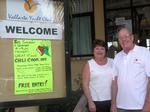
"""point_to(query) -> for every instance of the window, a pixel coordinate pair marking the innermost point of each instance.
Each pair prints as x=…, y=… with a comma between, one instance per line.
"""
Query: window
x=82, y=27
x=132, y=13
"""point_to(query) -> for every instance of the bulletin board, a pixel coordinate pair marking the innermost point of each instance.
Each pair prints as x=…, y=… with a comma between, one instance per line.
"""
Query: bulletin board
x=30, y=68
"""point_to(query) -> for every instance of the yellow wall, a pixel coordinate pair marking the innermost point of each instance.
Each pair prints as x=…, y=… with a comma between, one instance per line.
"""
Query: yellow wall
x=76, y=69
x=77, y=63
x=99, y=19
x=27, y=109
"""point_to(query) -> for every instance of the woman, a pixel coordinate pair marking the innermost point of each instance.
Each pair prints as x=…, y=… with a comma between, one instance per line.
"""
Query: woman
x=97, y=78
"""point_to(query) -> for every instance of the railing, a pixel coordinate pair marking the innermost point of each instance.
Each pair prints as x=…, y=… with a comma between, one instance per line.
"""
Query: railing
x=81, y=105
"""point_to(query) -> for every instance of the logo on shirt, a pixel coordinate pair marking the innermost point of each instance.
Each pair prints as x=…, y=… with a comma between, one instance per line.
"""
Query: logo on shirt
x=137, y=61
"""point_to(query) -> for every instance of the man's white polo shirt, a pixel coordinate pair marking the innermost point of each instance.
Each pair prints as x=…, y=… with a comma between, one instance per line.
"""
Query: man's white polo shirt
x=132, y=70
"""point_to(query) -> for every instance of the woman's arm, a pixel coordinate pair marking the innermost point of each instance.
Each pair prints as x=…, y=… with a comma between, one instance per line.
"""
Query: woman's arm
x=86, y=90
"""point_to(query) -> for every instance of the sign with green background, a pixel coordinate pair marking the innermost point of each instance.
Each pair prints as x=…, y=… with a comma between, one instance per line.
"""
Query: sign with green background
x=32, y=66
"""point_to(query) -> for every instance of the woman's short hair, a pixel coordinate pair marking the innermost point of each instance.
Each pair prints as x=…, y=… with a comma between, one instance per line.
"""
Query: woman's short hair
x=98, y=42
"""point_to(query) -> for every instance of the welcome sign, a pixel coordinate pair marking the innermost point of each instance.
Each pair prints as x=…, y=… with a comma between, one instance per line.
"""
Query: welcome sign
x=31, y=19
x=30, y=30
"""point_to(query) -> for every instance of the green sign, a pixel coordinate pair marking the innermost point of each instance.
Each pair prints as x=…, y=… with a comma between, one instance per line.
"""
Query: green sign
x=32, y=66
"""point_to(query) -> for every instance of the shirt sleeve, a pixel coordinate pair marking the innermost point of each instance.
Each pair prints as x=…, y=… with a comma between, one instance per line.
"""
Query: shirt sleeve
x=147, y=63
x=115, y=68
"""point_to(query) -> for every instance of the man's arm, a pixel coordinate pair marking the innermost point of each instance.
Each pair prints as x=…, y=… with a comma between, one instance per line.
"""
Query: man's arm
x=114, y=90
x=146, y=107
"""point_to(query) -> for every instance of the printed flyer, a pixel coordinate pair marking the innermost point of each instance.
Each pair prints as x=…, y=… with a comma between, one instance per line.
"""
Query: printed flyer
x=32, y=66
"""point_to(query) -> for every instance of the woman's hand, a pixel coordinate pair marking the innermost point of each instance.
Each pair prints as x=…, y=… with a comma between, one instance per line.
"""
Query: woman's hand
x=92, y=107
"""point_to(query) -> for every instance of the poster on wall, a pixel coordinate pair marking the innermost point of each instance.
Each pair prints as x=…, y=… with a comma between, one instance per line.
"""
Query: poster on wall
x=32, y=66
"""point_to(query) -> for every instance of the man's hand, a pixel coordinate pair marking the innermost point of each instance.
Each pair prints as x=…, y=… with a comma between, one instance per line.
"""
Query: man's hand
x=113, y=108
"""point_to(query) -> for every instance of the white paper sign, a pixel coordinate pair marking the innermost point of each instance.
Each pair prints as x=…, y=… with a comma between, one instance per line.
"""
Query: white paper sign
x=30, y=30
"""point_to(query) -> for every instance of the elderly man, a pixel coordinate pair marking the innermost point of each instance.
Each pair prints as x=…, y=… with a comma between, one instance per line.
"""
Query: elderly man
x=131, y=70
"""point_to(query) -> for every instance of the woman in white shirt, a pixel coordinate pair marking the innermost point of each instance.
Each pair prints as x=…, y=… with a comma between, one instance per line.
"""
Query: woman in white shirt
x=97, y=78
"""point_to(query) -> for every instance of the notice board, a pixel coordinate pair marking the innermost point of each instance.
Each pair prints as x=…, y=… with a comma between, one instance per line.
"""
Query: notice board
x=30, y=68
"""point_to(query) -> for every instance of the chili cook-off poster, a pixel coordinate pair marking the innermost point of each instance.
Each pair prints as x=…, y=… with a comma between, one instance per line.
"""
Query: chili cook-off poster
x=32, y=66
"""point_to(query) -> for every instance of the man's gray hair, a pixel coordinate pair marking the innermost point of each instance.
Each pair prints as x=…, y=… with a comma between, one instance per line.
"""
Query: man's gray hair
x=123, y=27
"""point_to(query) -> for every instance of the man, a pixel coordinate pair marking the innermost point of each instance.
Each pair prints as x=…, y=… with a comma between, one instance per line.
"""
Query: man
x=131, y=82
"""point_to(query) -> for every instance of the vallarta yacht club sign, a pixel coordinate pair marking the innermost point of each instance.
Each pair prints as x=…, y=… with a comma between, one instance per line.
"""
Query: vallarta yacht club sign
x=31, y=19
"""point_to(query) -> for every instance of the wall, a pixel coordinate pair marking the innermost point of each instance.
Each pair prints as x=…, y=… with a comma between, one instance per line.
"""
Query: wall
x=27, y=109
x=77, y=63
x=99, y=19
x=76, y=69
